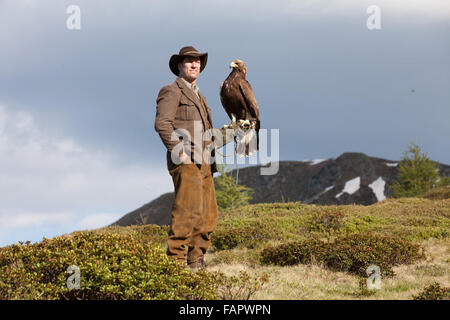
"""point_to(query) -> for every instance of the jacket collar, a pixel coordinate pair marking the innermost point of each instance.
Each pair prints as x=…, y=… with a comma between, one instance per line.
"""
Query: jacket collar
x=188, y=91
x=193, y=97
x=193, y=87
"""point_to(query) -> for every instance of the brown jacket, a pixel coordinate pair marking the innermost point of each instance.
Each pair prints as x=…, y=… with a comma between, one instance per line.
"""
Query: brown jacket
x=178, y=107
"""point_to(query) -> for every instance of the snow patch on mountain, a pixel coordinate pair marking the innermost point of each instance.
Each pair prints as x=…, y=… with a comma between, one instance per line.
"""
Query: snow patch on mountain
x=378, y=188
x=351, y=186
x=394, y=164
x=315, y=161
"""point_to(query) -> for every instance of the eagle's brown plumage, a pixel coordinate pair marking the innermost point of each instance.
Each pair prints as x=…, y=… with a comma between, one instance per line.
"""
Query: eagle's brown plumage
x=239, y=102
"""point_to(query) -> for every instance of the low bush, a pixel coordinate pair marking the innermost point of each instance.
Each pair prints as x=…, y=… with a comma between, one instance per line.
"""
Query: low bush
x=352, y=253
x=433, y=292
x=439, y=192
x=329, y=219
x=229, y=238
x=111, y=266
x=154, y=233
x=143, y=233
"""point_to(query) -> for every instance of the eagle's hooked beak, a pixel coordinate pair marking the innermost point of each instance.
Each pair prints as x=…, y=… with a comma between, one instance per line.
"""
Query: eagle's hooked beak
x=233, y=65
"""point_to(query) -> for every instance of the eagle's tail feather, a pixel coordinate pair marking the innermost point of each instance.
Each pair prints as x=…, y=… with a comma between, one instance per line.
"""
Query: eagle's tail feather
x=247, y=142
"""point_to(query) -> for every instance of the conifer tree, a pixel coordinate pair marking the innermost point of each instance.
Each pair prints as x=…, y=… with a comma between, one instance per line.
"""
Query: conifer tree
x=228, y=193
x=417, y=174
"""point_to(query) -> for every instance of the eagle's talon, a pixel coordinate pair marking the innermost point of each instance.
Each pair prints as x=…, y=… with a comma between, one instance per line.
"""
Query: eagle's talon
x=244, y=124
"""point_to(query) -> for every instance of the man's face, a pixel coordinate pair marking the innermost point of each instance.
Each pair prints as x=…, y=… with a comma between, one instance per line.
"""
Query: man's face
x=189, y=68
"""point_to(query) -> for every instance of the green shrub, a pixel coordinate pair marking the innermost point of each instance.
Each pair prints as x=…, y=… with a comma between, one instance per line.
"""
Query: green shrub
x=304, y=251
x=111, y=266
x=433, y=292
x=143, y=233
x=229, y=194
x=152, y=233
x=229, y=238
x=329, y=219
x=443, y=181
x=438, y=193
x=352, y=253
x=417, y=174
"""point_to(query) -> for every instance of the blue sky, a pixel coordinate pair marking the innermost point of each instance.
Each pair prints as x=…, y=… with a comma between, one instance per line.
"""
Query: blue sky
x=77, y=142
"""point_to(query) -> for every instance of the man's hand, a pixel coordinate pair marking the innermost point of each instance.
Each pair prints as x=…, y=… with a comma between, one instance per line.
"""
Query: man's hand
x=232, y=125
x=229, y=131
x=244, y=124
x=240, y=124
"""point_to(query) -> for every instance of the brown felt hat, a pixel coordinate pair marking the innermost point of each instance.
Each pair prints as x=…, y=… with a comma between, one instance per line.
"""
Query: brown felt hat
x=187, y=52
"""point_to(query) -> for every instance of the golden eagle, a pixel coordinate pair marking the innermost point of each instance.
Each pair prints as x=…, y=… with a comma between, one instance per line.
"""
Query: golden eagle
x=239, y=102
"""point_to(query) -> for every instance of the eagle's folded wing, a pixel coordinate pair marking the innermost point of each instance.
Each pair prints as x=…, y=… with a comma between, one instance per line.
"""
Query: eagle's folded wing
x=249, y=97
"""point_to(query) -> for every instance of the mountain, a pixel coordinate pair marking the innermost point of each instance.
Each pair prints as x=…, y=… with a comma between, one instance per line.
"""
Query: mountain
x=351, y=178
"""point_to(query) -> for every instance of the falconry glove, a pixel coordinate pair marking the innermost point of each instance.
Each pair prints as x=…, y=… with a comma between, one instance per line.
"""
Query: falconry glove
x=227, y=135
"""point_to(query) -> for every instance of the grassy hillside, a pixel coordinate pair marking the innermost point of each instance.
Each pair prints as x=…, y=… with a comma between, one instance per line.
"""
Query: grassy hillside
x=422, y=221
x=307, y=251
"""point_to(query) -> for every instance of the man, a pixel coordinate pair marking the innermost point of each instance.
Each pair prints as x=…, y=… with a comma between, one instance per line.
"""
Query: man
x=182, y=112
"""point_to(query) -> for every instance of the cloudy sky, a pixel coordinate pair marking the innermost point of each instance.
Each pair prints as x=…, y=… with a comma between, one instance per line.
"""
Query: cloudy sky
x=77, y=107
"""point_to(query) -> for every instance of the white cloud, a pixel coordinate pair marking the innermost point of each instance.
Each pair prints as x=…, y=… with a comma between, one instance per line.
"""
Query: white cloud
x=20, y=220
x=55, y=181
x=97, y=220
